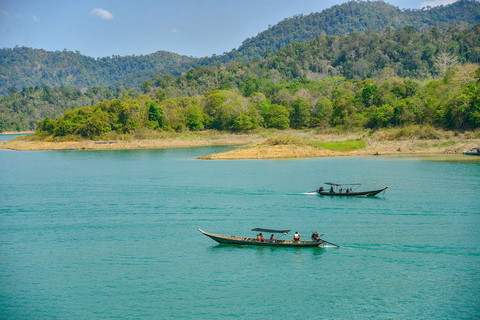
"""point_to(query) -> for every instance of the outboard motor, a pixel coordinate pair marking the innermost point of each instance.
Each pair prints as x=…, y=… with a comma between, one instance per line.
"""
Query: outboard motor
x=315, y=237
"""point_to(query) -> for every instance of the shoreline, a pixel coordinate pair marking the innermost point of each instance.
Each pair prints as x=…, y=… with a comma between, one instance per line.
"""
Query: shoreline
x=16, y=132
x=176, y=142
x=257, y=146
x=296, y=152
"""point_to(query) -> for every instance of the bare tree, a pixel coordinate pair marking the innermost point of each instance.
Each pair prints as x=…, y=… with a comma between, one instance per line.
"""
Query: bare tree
x=444, y=60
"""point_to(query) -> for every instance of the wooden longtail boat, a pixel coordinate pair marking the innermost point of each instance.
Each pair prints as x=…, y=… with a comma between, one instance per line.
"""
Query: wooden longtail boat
x=472, y=152
x=343, y=190
x=245, y=241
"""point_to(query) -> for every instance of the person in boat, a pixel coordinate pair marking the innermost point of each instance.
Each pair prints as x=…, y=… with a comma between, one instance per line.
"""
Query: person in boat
x=331, y=189
x=272, y=238
x=321, y=189
x=340, y=190
x=260, y=237
x=296, y=236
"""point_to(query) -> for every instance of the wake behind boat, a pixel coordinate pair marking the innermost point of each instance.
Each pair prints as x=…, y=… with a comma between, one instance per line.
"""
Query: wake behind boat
x=259, y=241
x=347, y=190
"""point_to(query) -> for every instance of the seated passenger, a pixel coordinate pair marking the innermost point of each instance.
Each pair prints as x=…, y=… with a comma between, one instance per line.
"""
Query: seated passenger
x=296, y=236
x=261, y=237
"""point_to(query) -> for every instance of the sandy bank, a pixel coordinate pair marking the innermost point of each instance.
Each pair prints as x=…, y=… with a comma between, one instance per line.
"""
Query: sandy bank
x=17, y=132
x=178, y=142
x=372, y=148
x=256, y=146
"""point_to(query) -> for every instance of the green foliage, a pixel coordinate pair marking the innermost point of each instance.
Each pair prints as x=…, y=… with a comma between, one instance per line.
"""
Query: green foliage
x=24, y=67
x=331, y=102
x=195, y=116
x=275, y=116
x=358, y=16
x=244, y=122
x=370, y=95
x=155, y=116
x=249, y=87
x=300, y=114
x=347, y=145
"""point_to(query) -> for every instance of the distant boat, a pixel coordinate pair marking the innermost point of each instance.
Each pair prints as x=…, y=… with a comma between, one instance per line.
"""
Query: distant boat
x=246, y=241
x=347, y=190
x=472, y=152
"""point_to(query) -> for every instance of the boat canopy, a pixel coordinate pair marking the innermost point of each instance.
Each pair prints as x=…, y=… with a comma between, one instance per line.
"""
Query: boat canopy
x=270, y=230
x=343, y=184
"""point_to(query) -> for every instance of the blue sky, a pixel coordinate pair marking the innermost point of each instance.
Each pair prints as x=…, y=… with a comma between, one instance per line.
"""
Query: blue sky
x=100, y=28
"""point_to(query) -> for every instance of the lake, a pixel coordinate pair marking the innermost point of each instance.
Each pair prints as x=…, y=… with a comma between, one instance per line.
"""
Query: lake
x=113, y=234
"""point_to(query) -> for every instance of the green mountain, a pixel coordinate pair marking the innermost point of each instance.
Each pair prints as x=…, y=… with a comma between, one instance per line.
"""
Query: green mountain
x=24, y=67
x=356, y=56
x=356, y=16
x=364, y=80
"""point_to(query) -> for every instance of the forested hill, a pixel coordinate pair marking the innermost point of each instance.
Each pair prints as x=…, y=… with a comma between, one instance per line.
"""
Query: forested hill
x=26, y=67
x=356, y=16
x=388, y=70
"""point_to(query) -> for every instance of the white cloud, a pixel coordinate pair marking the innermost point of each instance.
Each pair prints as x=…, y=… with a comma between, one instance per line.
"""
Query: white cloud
x=436, y=3
x=4, y=13
x=35, y=19
x=174, y=30
x=102, y=13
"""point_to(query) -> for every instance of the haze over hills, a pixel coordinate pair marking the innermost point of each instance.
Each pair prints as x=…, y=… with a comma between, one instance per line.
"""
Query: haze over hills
x=23, y=67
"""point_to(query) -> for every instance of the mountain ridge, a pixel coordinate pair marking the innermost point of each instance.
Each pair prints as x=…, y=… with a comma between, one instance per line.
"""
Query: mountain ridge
x=24, y=67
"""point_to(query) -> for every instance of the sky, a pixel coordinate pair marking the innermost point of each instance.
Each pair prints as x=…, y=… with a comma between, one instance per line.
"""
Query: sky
x=198, y=28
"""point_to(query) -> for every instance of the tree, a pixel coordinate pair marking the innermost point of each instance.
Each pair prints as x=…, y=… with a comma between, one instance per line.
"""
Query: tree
x=249, y=86
x=300, y=114
x=370, y=94
x=195, y=116
x=443, y=61
x=156, y=115
x=277, y=116
x=322, y=114
x=244, y=122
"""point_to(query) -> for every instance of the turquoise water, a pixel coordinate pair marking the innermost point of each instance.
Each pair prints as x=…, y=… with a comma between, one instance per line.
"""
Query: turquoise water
x=5, y=137
x=113, y=234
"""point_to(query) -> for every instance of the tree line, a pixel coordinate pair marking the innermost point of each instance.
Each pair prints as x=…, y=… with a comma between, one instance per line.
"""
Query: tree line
x=452, y=102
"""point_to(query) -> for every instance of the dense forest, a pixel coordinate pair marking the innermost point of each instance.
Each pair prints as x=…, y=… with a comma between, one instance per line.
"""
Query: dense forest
x=356, y=16
x=26, y=67
x=405, y=53
x=452, y=102
x=363, y=80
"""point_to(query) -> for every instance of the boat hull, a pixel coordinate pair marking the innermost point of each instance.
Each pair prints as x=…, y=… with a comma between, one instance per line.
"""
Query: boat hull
x=253, y=242
x=353, y=194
